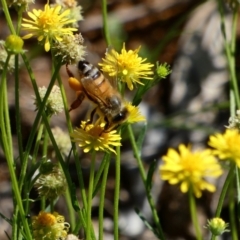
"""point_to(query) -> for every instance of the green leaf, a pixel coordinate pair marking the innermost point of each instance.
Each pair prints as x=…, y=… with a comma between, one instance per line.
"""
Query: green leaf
x=147, y=224
x=151, y=171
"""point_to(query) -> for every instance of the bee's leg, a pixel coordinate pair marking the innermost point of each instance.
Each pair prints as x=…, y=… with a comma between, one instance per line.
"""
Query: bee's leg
x=107, y=125
x=68, y=71
x=92, y=115
x=78, y=101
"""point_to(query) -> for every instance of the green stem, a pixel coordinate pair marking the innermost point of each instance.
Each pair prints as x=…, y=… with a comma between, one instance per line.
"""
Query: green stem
x=8, y=17
x=230, y=48
x=102, y=196
x=7, y=148
x=105, y=23
x=38, y=141
x=193, y=211
x=42, y=104
x=90, y=191
x=143, y=176
x=224, y=191
x=75, y=153
x=232, y=211
x=117, y=191
x=17, y=107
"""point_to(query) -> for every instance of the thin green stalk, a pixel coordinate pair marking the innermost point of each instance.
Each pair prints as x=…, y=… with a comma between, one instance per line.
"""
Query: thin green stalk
x=38, y=141
x=223, y=193
x=70, y=209
x=17, y=107
x=105, y=23
x=102, y=196
x=117, y=191
x=230, y=48
x=193, y=211
x=45, y=141
x=143, y=176
x=37, y=118
x=8, y=17
x=75, y=153
x=7, y=146
x=232, y=215
x=90, y=191
x=102, y=167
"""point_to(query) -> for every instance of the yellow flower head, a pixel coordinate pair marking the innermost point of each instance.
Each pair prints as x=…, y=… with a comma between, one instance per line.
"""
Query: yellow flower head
x=93, y=137
x=226, y=146
x=49, y=226
x=48, y=24
x=134, y=114
x=189, y=169
x=127, y=66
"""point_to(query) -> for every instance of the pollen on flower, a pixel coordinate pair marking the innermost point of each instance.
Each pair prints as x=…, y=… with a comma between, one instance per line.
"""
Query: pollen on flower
x=127, y=66
x=226, y=145
x=94, y=137
x=48, y=25
x=189, y=169
x=49, y=226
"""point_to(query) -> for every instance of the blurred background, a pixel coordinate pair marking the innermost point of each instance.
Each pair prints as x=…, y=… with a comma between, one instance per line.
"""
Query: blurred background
x=187, y=106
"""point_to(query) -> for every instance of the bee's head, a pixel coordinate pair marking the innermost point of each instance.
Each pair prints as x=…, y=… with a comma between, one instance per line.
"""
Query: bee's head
x=121, y=116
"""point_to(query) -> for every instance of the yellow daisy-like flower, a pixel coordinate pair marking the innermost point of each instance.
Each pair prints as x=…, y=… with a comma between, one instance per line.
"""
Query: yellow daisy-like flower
x=127, y=66
x=49, y=226
x=226, y=146
x=134, y=114
x=48, y=24
x=189, y=169
x=93, y=137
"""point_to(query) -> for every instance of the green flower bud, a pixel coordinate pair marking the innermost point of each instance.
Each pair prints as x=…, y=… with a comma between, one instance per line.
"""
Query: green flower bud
x=217, y=226
x=163, y=70
x=14, y=44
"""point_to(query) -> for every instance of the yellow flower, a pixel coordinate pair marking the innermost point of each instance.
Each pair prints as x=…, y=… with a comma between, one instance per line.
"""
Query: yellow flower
x=93, y=137
x=127, y=66
x=49, y=226
x=189, y=169
x=48, y=24
x=134, y=114
x=226, y=146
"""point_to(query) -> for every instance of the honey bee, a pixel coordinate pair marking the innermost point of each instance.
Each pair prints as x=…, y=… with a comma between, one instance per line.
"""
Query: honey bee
x=98, y=89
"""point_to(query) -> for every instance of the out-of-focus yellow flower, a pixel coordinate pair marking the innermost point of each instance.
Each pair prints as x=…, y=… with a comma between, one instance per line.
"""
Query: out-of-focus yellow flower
x=226, y=146
x=49, y=24
x=93, y=137
x=134, y=114
x=189, y=169
x=49, y=226
x=126, y=66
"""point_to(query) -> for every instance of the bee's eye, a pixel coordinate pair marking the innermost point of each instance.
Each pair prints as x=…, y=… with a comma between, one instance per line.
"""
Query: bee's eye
x=121, y=116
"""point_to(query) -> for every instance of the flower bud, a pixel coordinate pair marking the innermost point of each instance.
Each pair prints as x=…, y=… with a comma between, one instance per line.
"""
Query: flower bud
x=14, y=44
